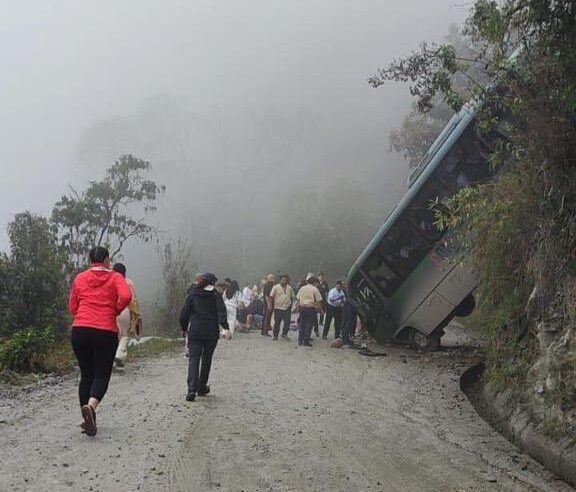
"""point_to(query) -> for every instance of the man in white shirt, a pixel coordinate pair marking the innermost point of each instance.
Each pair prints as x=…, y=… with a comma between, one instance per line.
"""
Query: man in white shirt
x=335, y=309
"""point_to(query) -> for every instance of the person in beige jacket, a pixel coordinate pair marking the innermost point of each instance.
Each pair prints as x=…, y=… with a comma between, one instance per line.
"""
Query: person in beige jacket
x=129, y=321
x=283, y=298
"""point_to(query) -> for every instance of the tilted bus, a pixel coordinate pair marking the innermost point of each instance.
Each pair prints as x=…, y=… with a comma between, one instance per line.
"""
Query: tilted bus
x=408, y=283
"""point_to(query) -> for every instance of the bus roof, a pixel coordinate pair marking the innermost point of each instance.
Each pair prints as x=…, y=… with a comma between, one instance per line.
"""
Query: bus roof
x=433, y=158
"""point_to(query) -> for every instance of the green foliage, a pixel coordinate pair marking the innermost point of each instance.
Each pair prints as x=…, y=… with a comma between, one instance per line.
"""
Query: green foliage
x=427, y=119
x=33, y=278
x=102, y=215
x=430, y=70
x=33, y=287
x=26, y=349
x=520, y=232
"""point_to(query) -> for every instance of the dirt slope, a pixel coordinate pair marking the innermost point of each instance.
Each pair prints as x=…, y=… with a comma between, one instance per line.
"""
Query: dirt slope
x=280, y=418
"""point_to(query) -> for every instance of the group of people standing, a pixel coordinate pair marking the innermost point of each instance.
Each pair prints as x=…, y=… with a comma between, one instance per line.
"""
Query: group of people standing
x=106, y=313
x=271, y=305
x=315, y=304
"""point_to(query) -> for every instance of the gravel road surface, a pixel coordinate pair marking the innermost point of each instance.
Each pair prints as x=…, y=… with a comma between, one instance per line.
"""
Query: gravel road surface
x=280, y=418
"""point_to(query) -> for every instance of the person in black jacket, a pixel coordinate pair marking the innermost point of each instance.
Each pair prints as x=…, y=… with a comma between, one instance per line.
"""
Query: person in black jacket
x=203, y=312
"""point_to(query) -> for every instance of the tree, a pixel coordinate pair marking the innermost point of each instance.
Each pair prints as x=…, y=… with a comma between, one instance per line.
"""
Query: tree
x=178, y=267
x=102, y=215
x=32, y=279
x=420, y=127
x=418, y=132
x=6, y=312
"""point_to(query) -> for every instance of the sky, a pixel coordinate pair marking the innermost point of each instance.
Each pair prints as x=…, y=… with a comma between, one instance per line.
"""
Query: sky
x=222, y=96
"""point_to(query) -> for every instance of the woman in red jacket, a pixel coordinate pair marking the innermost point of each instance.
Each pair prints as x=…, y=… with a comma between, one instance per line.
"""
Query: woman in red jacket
x=97, y=296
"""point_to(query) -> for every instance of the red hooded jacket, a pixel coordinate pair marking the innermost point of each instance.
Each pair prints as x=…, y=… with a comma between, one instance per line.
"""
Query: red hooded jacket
x=97, y=296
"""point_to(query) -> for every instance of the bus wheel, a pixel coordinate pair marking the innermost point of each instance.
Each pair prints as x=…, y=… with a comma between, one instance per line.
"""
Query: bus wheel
x=419, y=341
x=466, y=307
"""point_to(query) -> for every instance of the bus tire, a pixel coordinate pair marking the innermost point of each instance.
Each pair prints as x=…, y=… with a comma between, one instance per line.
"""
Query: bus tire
x=466, y=307
x=420, y=341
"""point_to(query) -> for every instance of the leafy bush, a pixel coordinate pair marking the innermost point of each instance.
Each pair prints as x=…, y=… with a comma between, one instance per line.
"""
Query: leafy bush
x=33, y=281
x=27, y=350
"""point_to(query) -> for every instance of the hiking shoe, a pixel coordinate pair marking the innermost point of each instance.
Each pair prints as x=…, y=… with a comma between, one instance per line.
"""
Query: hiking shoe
x=190, y=396
x=275, y=338
x=83, y=427
x=89, y=416
x=204, y=392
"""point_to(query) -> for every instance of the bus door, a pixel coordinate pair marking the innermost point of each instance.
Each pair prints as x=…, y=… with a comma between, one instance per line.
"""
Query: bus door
x=430, y=313
x=458, y=283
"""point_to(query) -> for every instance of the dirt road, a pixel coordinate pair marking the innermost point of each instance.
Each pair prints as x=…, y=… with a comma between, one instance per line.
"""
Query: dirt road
x=280, y=418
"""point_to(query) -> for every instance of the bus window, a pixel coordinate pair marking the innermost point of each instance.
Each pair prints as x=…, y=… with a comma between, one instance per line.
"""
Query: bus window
x=453, y=158
x=425, y=222
x=433, y=195
x=381, y=273
x=475, y=168
x=472, y=167
x=407, y=249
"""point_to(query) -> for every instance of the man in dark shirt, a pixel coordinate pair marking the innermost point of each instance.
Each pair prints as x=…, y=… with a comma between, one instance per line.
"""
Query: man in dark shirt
x=324, y=288
x=350, y=321
x=268, y=305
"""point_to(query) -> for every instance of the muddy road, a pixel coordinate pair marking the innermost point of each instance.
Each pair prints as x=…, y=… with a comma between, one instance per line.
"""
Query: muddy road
x=280, y=418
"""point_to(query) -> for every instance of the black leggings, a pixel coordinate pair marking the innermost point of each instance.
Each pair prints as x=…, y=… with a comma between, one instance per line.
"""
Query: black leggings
x=95, y=351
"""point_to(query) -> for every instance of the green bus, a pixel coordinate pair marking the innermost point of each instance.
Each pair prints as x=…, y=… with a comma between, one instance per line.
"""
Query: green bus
x=408, y=284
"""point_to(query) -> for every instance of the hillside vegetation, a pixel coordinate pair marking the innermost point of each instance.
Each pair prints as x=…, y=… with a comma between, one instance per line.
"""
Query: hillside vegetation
x=519, y=231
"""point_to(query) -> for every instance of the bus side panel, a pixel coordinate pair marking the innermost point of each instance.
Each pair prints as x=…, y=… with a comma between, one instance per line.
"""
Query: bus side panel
x=430, y=314
x=458, y=284
x=416, y=289
x=448, y=294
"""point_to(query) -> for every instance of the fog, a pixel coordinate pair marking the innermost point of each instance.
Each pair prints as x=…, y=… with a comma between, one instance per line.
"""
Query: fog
x=244, y=108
